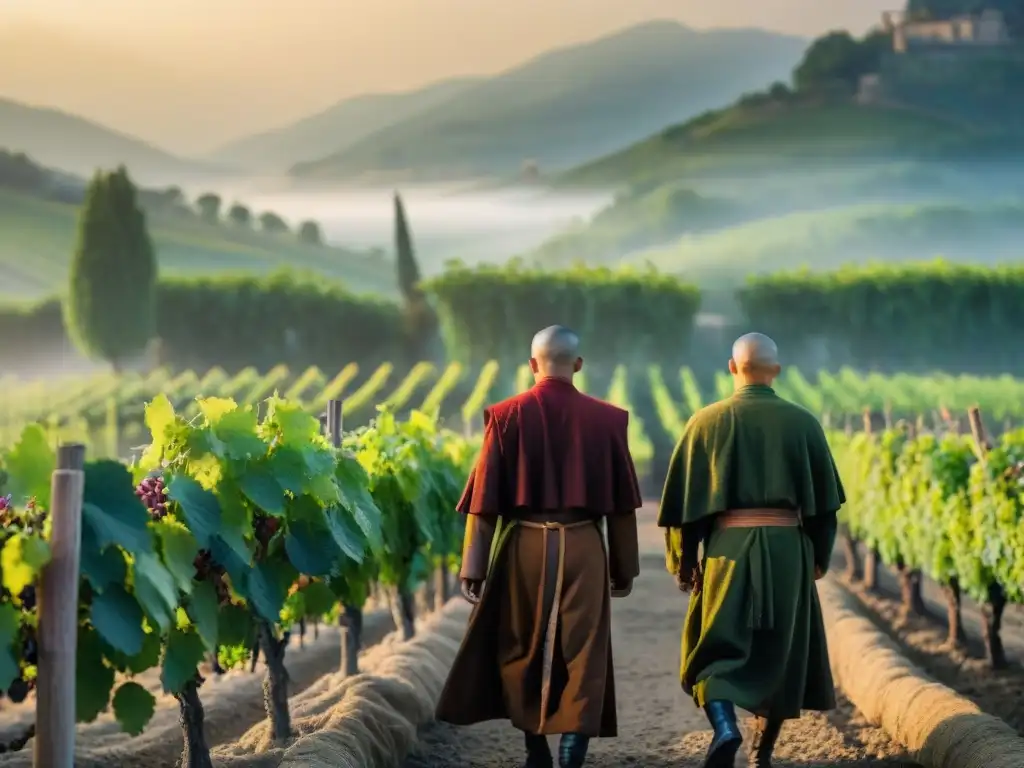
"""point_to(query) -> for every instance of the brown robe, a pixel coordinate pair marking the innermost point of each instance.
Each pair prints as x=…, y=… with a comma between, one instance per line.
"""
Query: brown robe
x=551, y=508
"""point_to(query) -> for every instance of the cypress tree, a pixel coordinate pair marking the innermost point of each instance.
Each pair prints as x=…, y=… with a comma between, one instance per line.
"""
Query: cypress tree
x=421, y=322
x=111, y=307
x=408, y=269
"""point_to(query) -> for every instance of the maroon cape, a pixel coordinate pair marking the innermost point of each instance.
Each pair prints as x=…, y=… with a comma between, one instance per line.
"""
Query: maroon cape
x=538, y=647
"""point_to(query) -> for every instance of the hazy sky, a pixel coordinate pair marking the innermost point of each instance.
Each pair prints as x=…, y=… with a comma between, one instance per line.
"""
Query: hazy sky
x=190, y=74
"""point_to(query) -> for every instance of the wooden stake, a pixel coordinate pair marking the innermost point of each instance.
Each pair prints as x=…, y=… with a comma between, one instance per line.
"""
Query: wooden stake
x=57, y=598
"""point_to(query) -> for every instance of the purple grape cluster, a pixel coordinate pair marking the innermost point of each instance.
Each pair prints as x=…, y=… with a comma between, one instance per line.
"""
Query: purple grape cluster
x=154, y=495
x=6, y=502
x=208, y=570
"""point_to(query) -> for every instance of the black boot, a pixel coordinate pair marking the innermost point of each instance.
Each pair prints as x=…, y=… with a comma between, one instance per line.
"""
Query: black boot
x=538, y=754
x=572, y=750
x=727, y=738
x=762, y=744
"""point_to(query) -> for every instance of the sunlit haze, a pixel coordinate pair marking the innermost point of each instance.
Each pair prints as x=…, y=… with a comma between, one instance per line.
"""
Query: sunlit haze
x=192, y=74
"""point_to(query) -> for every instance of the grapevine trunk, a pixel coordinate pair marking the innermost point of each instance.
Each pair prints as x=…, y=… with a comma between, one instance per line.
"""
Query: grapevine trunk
x=404, y=613
x=196, y=752
x=275, y=684
x=992, y=613
x=910, y=592
x=441, y=593
x=854, y=573
x=351, y=622
x=957, y=638
x=871, y=570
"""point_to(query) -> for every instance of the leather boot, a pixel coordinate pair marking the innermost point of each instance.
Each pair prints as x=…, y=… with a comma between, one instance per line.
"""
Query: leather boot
x=727, y=738
x=762, y=742
x=538, y=754
x=572, y=750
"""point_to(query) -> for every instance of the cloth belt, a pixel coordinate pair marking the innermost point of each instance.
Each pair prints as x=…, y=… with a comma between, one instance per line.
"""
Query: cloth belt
x=762, y=606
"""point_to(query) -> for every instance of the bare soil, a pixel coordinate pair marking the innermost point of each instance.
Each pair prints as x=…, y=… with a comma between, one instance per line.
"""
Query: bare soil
x=659, y=727
x=965, y=670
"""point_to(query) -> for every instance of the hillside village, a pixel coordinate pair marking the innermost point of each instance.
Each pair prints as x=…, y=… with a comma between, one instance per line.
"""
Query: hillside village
x=963, y=66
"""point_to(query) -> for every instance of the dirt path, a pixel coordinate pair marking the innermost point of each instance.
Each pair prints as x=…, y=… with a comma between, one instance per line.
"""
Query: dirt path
x=659, y=726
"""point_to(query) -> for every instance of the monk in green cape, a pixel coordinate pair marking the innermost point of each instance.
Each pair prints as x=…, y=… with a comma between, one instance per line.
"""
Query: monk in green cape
x=749, y=512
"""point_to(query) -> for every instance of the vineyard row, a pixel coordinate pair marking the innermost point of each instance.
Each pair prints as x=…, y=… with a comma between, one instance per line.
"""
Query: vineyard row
x=233, y=527
x=106, y=408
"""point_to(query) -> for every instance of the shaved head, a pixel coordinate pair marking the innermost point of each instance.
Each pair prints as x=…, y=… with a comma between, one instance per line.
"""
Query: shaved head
x=555, y=351
x=755, y=350
x=755, y=360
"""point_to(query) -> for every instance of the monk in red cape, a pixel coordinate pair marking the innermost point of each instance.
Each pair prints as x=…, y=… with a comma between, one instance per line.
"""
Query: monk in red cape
x=550, y=537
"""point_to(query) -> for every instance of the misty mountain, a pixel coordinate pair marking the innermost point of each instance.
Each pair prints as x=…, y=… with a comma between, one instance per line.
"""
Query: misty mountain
x=79, y=146
x=334, y=129
x=572, y=104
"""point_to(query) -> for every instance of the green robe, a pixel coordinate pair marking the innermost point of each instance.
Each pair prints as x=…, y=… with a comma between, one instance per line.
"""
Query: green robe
x=753, y=633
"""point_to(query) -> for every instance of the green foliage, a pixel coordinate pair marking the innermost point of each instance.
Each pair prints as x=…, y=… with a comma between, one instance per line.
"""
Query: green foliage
x=930, y=504
x=415, y=475
x=240, y=215
x=857, y=310
x=127, y=598
x=838, y=59
x=405, y=258
x=493, y=312
x=282, y=318
x=309, y=233
x=209, y=207
x=111, y=309
x=272, y=224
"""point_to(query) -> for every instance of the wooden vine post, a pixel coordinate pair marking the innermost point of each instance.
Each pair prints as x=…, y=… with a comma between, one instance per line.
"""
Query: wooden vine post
x=992, y=610
x=351, y=618
x=57, y=600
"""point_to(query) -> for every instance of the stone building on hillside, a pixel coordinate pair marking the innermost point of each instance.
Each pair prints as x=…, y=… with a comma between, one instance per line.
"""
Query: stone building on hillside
x=985, y=29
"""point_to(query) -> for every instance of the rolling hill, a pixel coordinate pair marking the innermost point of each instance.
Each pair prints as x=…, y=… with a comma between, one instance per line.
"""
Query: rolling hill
x=571, y=104
x=771, y=135
x=79, y=146
x=37, y=237
x=334, y=129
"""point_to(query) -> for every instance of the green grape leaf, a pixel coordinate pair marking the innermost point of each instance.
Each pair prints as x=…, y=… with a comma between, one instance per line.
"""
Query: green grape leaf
x=155, y=590
x=310, y=548
x=112, y=511
x=21, y=560
x=8, y=632
x=268, y=587
x=145, y=659
x=319, y=598
x=203, y=611
x=133, y=707
x=101, y=566
x=200, y=508
x=289, y=467
x=29, y=466
x=159, y=418
x=116, y=615
x=261, y=487
x=235, y=625
x=226, y=555
x=353, y=483
x=234, y=430
x=94, y=679
x=296, y=426
x=346, y=535
x=180, y=550
x=185, y=651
